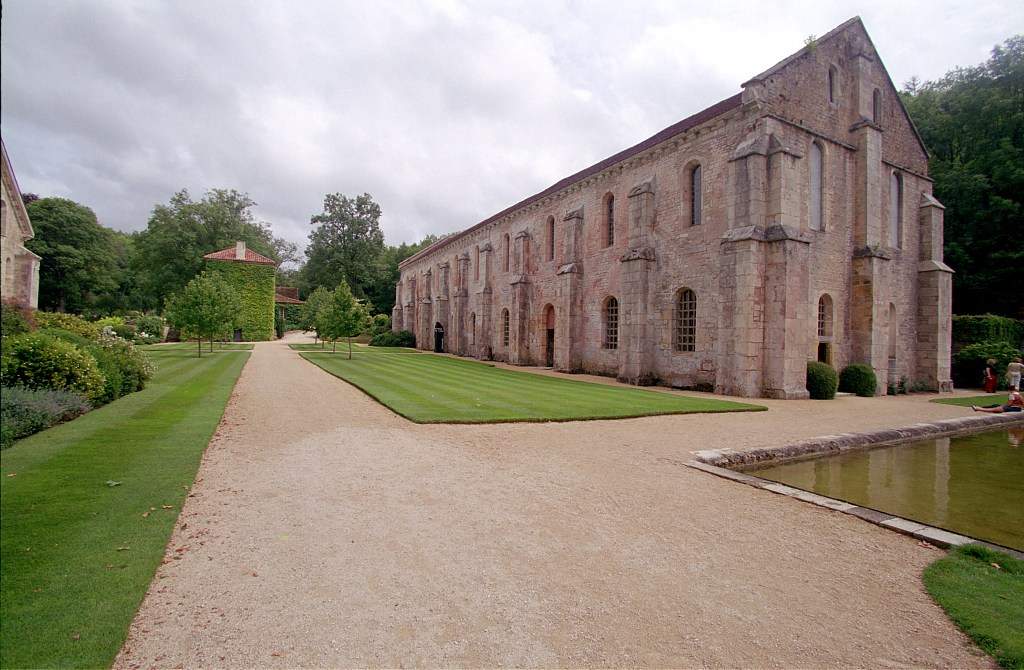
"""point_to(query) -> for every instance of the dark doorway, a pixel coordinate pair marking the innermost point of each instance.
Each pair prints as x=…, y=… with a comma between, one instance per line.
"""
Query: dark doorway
x=237, y=337
x=549, y=341
x=438, y=338
x=824, y=352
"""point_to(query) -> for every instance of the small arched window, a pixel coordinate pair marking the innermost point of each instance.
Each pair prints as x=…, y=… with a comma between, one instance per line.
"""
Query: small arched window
x=551, y=238
x=817, y=200
x=696, y=195
x=504, y=328
x=825, y=316
x=611, y=323
x=476, y=264
x=833, y=85
x=508, y=252
x=684, y=321
x=896, y=210
x=876, y=106
x=609, y=219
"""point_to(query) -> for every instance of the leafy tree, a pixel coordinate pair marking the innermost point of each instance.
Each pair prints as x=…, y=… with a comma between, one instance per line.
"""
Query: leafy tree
x=170, y=251
x=347, y=243
x=972, y=121
x=314, y=302
x=205, y=308
x=79, y=255
x=342, y=315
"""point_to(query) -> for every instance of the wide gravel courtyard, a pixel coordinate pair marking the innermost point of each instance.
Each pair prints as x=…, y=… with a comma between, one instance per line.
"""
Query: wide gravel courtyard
x=324, y=530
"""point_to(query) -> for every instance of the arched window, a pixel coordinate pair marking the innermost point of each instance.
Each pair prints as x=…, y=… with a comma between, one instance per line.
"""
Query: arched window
x=817, y=165
x=609, y=219
x=472, y=328
x=476, y=264
x=896, y=210
x=876, y=106
x=551, y=238
x=825, y=318
x=696, y=195
x=611, y=323
x=833, y=85
x=508, y=251
x=504, y=328
x=684, y=321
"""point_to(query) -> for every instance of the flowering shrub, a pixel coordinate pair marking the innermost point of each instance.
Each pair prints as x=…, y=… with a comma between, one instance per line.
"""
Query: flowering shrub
x=149, y=329
x=40, y=361
x=134, y=366
x=26, y=411
x=70, y=322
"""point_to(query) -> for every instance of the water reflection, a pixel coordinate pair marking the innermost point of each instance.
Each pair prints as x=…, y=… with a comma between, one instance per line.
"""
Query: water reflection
x=972, y=485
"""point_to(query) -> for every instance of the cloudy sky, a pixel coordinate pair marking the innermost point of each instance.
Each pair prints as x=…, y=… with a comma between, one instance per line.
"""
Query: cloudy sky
x=446, y=112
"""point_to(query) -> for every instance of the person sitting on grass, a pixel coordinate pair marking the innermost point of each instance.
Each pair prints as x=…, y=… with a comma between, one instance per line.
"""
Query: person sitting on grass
x=1015, y=403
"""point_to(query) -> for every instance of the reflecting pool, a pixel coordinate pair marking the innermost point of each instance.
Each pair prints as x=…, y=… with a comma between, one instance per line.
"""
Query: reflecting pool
x=972, y=485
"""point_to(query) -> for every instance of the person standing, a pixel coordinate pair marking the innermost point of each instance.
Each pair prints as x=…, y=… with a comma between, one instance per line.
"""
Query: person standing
x=1013, y=372
x=989, y=380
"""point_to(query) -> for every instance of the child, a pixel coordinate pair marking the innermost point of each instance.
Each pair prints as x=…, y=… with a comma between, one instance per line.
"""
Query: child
x=1015, y=403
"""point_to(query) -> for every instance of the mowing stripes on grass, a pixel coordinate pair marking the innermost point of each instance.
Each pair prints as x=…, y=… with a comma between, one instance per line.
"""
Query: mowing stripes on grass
x=84, y=516
x=982, y=591
x=438, y=389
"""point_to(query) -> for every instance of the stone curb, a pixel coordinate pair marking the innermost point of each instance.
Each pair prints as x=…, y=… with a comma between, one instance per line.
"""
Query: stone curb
x=935, y=536
x=834, y=444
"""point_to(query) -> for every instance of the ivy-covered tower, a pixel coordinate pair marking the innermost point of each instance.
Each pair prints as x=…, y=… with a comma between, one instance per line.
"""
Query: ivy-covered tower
x=253, y=276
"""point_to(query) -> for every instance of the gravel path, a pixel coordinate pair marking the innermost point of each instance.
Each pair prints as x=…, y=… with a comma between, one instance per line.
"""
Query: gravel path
x=324, y=530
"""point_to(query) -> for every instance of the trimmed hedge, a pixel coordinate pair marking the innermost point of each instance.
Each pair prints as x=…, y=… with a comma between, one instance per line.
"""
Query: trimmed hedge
x=402, y=338
x=40, y=361
x=969, y=363
x=971, y=329
x=24, y=412
x=858, y=378
x=821, y=380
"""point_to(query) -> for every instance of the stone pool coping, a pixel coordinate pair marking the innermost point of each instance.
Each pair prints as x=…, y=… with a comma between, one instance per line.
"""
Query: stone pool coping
x=836, y=444
x=712, y=462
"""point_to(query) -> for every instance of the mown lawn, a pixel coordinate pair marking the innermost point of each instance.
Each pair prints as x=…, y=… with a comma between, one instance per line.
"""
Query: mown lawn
x=191, y=346
x=88, y=506
x=438, y=389
x=979, y=400
x=983, y=592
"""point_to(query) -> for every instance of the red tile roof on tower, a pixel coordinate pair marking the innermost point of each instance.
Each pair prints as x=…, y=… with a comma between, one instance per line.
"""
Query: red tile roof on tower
x=229, y=255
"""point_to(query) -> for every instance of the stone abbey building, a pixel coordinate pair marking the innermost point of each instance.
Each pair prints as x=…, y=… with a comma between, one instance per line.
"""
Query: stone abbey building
x=793, y=221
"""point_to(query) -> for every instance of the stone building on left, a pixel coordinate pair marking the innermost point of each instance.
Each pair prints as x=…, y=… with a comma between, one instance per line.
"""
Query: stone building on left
x=19, y=267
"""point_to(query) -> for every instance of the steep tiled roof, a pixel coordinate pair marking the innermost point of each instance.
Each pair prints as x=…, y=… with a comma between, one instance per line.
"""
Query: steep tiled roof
x=689, y=122
x=287, y=300
x=229, y=255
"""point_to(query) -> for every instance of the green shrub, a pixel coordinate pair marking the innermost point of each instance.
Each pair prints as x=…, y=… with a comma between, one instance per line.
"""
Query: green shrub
x=149, y=329
x=112, y=321
x=977, y=328
x=16, y=318
x=969, y=363
x=39, y=361
x=821, y=380
x=27, y=411
x=858, y=378
x=75, y=324
x=278, y=324
x=381, y=324
x=402, y=338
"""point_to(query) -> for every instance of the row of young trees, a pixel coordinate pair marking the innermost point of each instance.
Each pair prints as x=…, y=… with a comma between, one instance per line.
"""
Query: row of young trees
x=336, y=314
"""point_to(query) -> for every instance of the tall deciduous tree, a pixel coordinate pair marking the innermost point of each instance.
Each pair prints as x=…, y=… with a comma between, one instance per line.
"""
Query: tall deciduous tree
x=314, y=302
x=972, y=121
x=204, y=309
x=170, y=251
x=346, y=243
x=79, y=255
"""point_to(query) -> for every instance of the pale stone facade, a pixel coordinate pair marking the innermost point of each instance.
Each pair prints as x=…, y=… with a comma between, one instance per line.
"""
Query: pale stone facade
x=791, y=222
x=19, y=267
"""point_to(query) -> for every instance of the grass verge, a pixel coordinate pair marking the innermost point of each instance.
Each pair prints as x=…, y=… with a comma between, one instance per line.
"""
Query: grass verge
x=979, y=400
x=88, y=506
x=191, y=346
x=982, y=591
x=438, y=389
